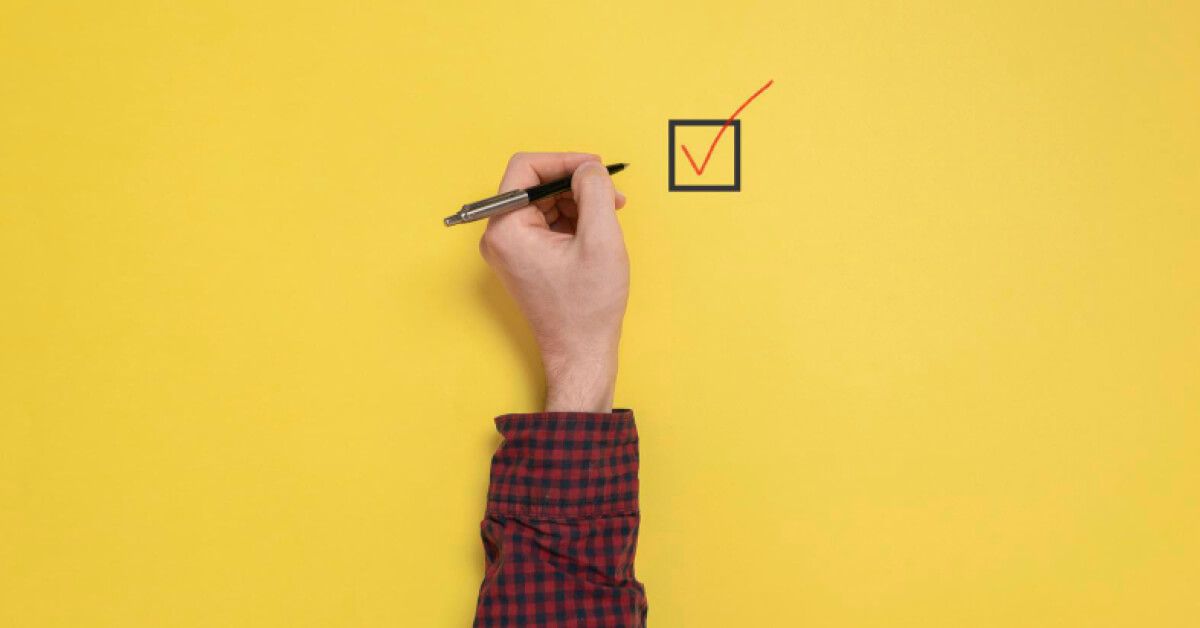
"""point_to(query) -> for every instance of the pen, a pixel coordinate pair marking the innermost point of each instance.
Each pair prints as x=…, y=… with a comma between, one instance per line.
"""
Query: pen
x=508, y=201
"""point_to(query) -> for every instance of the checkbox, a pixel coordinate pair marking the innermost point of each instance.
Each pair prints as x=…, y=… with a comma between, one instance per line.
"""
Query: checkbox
x=702, y=157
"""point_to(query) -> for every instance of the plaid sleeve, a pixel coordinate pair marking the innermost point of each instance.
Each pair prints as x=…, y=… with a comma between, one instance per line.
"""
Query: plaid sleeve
x=560, y=531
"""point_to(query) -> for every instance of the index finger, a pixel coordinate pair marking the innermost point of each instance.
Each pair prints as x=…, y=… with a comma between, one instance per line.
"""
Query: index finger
x=530, y=169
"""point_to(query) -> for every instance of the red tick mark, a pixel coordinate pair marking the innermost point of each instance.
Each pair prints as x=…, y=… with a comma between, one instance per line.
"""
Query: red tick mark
x=700, y=169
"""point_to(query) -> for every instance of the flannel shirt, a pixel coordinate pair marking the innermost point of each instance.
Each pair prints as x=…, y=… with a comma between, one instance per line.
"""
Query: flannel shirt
x=560, y=530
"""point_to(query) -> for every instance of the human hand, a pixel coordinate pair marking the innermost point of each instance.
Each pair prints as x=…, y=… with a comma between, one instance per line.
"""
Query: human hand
x=563, y=259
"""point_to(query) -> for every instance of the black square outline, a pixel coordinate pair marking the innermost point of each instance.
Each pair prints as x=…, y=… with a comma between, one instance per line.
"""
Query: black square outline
x=737, y=157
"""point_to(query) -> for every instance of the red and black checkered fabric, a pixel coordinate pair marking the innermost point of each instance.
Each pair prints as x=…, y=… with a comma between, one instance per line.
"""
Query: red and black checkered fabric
x=560, y=532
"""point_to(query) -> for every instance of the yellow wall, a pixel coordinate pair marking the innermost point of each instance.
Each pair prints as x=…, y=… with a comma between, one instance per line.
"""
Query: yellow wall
x=935, y=365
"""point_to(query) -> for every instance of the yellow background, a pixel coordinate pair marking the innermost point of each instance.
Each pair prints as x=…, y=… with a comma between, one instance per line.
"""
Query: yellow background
x=935, y=365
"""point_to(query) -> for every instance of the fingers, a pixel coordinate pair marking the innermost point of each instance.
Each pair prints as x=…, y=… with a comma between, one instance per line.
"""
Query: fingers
x=557, y=213
x=524, y=217
x=529, y=169
x=597, y=203
x=564, y=224
x=564, y=205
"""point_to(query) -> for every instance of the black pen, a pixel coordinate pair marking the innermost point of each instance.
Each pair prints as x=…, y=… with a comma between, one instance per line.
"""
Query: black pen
x=508, y=201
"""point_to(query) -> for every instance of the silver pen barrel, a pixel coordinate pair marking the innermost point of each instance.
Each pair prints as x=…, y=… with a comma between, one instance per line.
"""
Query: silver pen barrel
x=491, y=206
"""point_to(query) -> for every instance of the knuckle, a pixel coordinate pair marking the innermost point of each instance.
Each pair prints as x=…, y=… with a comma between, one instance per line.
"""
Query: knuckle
x=593, y=173
x=493, y=244
x=484, y=252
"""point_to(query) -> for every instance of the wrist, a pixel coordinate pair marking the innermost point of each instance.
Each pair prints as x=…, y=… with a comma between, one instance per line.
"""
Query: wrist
x=583, y=383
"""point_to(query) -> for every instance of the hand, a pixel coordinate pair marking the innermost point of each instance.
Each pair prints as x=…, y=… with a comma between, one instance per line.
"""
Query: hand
x=564, y=261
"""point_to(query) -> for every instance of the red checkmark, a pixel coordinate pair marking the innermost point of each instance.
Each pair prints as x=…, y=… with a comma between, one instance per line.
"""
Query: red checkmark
x=700, y=170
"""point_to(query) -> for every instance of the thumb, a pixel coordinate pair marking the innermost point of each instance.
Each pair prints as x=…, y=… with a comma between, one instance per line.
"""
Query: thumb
x=596, y=199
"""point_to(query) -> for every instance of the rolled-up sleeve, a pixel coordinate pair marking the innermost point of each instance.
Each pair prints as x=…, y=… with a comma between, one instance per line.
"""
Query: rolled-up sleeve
x=560, y=529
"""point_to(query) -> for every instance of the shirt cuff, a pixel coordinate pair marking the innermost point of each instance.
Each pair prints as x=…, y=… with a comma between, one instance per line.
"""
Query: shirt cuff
x=565, y=465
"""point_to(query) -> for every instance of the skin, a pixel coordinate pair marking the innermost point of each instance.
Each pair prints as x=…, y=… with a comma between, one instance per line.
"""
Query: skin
x=563, y=260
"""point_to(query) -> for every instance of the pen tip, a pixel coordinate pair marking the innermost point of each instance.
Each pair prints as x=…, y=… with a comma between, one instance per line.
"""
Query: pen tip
x=452, y=220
